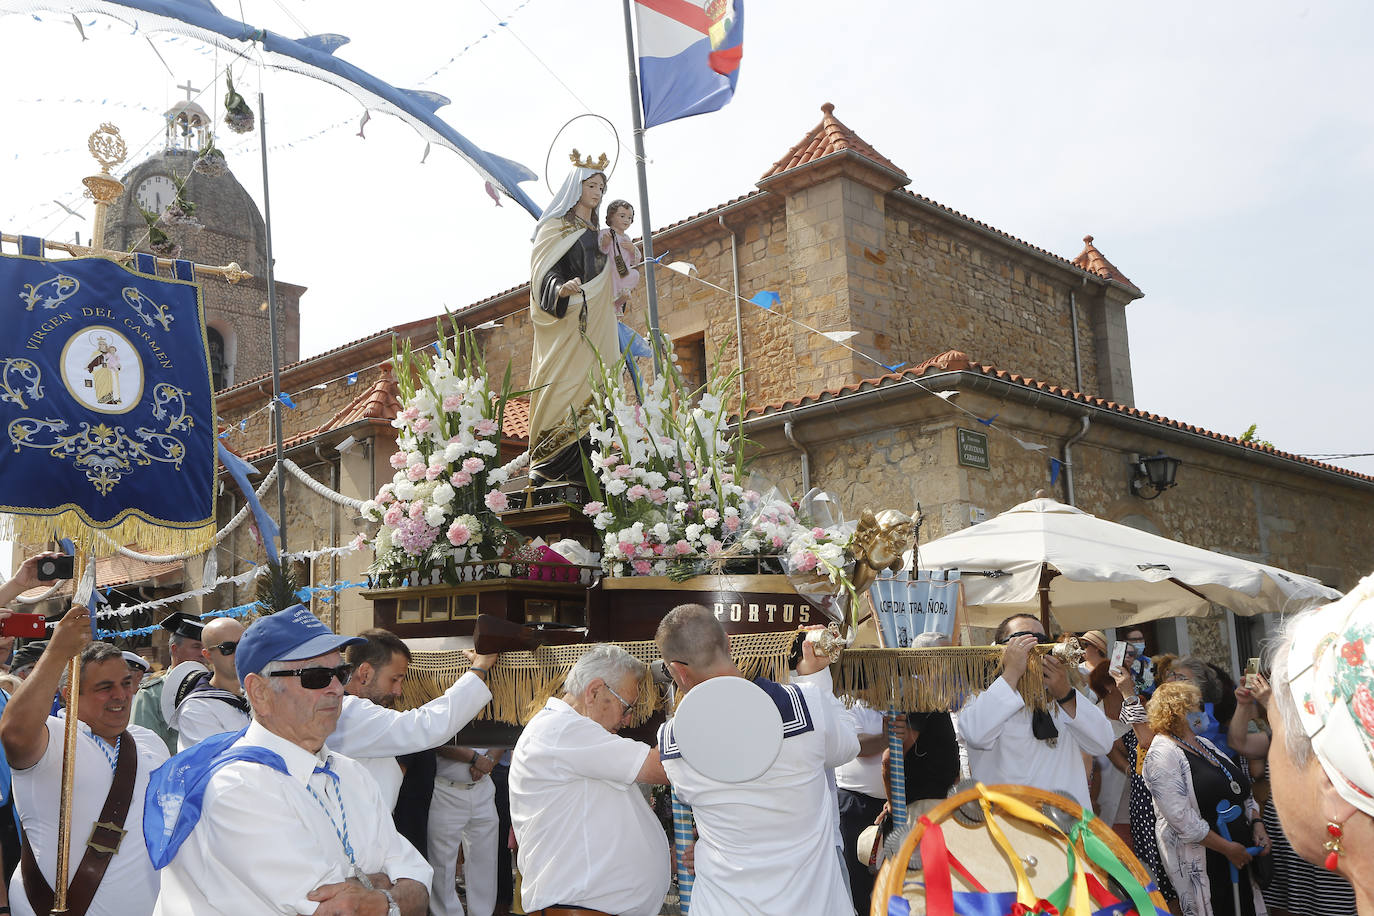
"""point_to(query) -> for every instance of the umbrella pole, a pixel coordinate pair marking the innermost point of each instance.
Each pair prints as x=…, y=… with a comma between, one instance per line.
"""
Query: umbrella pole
x=1046, y=574
x=68, y=788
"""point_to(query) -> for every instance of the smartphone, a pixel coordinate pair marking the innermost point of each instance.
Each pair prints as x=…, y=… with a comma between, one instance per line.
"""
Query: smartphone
x=27, y=626
x=58, y=567
x=1119, y=654
x=1252, y=670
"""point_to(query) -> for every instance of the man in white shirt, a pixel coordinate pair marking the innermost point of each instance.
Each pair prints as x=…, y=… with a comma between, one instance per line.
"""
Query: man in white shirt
x=462, y=813
x=374, y=734
x=110, y=753
x=766, y=845
x=861, y=797
x=1009, y=743
x=210, y=702
x=587, y=839
x=283, y=824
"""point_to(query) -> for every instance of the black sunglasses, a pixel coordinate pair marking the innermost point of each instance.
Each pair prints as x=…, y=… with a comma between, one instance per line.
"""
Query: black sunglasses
x=317, y=678
x=1009, y=637
x=225, y=648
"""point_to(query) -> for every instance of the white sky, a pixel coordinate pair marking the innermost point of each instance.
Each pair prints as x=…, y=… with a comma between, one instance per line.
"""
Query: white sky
x=1220, y=154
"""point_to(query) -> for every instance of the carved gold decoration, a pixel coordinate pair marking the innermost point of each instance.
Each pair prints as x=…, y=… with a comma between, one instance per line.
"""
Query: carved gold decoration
x=30, y=381
x=879, y=542
x=107, y=147
x=599, y=164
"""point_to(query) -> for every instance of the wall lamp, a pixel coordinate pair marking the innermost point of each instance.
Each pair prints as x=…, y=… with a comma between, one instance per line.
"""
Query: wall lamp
x=1156, y=473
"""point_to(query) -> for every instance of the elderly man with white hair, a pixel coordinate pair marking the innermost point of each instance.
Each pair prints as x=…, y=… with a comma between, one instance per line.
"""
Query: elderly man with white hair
x=589, y=842
x=269, y=819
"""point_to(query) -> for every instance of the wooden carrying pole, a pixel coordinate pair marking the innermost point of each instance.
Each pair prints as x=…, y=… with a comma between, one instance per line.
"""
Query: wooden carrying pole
x=64, y=811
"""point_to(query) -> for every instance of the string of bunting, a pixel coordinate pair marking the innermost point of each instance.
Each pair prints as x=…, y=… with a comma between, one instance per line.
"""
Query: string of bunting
x=326, y=593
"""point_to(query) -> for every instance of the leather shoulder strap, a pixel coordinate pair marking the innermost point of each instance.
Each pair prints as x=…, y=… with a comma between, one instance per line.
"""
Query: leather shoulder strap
x=104, y=841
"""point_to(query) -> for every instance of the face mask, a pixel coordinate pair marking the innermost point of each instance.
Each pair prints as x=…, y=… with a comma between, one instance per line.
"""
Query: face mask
x=1200, y=721
x=1138, y=648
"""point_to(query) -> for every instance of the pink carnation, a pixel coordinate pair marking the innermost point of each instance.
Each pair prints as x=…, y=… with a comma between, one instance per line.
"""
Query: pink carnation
x=417, y=509
x=461, y=479
x=393, y=516
x=638, y=491
x=804, y=561
x=593, y=508
x=683, y=547
x=473, y=465
x=434, y=472
x=485, y=427
x=415, y=472
x=410, y=413
x=452, y=402
x=385, y=497
x=642, y=567
x=818, y=533
x=496, y=501
x=732, y=523
x=713, y=548
x=422, y=425
x=674, y=476
x=658, y=496
x=458, y=534
x=777, y=541
x=398, y=460
x=623, y=471
x=627, y=549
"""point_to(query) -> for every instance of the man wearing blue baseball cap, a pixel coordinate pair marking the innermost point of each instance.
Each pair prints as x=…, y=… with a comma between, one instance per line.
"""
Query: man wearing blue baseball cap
x=269, y=819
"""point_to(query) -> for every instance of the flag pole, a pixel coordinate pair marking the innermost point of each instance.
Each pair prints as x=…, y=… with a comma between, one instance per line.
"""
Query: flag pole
x=650, y=287
x=272, y=318
x=67, y=787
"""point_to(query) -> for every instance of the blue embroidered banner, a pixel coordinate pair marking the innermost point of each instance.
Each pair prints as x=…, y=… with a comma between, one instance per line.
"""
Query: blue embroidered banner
x=106, y=406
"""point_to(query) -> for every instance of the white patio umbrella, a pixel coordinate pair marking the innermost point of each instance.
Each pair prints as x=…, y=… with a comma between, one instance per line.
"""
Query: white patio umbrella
x=1044, y=556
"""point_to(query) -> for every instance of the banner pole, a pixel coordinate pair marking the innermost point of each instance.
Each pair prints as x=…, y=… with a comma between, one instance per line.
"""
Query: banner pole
x=68, y=786
x=272, y=319
x=650, y=287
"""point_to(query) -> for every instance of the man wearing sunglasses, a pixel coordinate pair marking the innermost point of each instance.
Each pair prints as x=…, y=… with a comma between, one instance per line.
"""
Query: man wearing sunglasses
x=1008, y=742
x=272, y=819
x=210, y=702
x=589, y=845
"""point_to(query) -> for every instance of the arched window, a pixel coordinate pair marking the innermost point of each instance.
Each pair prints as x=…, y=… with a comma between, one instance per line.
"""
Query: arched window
x=217, y=360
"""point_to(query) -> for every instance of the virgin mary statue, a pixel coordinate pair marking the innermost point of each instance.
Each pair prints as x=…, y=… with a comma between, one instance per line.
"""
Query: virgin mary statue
x=572, y=308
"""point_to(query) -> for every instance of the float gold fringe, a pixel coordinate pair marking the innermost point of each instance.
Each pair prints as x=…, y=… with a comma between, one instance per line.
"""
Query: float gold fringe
x=908, y=679
x=522, y=682
x=150, y=536
x=922, y=680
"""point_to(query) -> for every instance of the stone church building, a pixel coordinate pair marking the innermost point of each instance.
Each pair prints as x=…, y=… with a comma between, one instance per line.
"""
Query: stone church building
x=992, y=368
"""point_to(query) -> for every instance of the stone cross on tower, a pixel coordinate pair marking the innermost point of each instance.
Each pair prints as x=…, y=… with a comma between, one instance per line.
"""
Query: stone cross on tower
x=189, y=89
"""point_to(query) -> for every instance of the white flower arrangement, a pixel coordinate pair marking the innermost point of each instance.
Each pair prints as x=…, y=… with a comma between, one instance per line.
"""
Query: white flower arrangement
x=440, y=508
x=669, y=490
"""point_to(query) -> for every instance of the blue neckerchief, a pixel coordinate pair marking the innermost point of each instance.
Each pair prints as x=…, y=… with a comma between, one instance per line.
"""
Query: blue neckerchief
x=5, y=775
x=177, y=788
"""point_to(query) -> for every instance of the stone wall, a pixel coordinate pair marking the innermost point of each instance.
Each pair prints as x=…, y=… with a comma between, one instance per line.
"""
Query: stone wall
x=954, y=289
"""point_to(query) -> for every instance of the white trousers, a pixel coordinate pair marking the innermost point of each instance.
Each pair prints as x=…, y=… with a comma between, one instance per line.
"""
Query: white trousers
x=465, y=816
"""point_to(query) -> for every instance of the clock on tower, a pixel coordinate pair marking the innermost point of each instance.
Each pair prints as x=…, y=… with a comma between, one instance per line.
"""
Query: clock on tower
x=155, y=193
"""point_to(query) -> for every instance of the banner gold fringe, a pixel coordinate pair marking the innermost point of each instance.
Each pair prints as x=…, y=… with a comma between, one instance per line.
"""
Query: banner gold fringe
x=522, y=682
x=149, y=536
x=929, y=680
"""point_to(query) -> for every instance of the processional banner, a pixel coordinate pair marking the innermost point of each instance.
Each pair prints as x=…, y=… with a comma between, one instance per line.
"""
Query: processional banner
x=907, y=607
x=106, y=405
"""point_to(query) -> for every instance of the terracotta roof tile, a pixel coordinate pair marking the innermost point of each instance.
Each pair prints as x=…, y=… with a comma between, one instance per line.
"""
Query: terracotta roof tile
x=1093, y=261
x=826, y=138
x=955, y=361
x=516, y=423
x=380, y=402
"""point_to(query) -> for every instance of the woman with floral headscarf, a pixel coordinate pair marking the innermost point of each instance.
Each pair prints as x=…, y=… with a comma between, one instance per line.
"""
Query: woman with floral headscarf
x=1321, y=764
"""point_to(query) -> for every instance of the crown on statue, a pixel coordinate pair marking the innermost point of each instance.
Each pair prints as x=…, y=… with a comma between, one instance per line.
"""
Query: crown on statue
x=599, y=164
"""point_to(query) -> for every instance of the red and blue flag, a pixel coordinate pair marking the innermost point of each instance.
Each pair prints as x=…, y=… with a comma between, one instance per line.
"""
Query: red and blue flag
x=689, y=56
